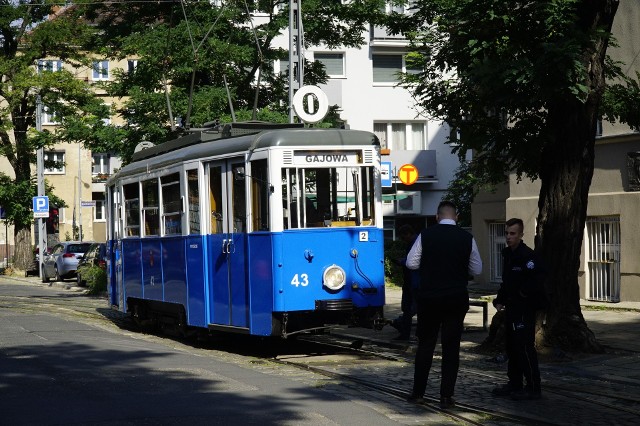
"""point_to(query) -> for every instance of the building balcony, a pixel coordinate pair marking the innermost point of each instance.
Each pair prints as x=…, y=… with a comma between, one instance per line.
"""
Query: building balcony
x=100, y=178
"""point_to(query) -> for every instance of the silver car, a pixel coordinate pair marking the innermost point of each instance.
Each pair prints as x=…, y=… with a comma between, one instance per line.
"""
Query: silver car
x=62, y=260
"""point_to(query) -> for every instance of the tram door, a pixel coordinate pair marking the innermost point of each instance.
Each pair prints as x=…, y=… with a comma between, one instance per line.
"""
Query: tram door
x=226, y=238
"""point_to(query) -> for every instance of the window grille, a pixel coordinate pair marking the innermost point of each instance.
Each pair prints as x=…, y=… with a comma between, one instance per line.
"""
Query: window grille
x=497, y=243
x=603, y=262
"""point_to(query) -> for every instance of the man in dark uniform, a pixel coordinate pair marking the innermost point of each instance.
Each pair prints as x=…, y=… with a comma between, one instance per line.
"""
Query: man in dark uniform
x=520, y=296
x=410, y=280
x=445, y=255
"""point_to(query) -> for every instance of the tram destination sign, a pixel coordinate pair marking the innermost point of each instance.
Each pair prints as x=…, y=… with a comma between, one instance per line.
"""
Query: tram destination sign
x=327, y=157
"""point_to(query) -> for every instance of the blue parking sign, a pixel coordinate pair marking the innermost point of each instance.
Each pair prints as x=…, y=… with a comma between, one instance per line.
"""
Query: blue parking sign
x=385, y=174
x=41, y=206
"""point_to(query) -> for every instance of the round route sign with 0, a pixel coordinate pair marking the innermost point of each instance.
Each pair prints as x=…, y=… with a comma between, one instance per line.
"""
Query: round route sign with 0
x=306, y=95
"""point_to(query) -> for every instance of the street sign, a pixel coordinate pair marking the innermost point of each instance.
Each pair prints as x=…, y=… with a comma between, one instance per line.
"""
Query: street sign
x=385, y=174
x=41, y=207
x=2, y=213
x=408, y=174
x=88, y=203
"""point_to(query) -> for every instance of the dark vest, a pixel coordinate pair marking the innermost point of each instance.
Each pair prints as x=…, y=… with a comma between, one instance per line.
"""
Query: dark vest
x=444, y=265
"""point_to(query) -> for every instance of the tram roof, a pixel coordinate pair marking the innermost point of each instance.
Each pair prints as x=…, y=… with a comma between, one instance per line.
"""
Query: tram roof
x=203, y=144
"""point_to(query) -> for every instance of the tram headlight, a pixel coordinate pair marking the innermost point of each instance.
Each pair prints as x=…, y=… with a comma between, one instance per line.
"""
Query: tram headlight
x=334, y=277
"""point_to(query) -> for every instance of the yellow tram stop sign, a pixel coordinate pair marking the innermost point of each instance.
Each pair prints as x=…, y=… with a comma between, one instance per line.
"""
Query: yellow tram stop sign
x=408, y=174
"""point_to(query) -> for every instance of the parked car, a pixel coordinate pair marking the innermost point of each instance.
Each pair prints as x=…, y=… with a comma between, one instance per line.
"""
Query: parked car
x=34, y=268
x=62, y=260
x=96, y=255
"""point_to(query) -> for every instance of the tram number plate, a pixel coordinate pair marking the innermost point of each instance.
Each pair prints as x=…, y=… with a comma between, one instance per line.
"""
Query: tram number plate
x=300, y=280
x=363, y=236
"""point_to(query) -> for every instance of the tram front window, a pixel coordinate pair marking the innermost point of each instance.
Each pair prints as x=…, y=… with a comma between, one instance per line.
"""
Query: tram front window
x=327, y=197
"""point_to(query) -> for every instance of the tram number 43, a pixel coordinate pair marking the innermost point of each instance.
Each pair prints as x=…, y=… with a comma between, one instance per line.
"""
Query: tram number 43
x=300, y=280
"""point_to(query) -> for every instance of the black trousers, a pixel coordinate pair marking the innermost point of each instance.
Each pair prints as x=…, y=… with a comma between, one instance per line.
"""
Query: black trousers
x=435, y=314
x=521, y=349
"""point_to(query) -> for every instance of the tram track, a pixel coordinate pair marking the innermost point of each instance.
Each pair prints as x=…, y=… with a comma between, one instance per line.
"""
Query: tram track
x=464, y=413
x=599, y=397
x=372, y=365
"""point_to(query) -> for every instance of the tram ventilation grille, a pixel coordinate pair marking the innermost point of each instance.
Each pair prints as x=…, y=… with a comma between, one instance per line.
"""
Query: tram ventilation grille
x=334, y=305
x=368, y=156
x=287, y=157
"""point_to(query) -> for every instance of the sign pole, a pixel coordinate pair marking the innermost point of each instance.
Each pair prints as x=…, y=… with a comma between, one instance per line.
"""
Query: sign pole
x=40, y=222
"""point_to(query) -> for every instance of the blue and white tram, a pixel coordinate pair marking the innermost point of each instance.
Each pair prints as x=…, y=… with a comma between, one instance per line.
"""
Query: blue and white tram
x=261, y=229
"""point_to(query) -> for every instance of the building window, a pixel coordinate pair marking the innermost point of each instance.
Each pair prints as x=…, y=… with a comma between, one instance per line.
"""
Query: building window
x=283, y=66
x=132, y=64
x=390, y=7
x=101, y=70
x=48, y=116
x=603, y=258
x=333, y=63
x=389, y=229
x=98, y=211
x=387, y=68
x=497, y=242
x=401, y=135
x=100, y=164
x=49, y=65
x=54, y=162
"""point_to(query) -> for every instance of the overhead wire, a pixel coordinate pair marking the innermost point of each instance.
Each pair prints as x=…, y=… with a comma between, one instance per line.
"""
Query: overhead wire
x=195, y=50
x=260, y=60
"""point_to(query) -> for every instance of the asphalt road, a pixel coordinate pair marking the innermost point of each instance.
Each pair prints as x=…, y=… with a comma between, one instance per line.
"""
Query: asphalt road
x=64, y=360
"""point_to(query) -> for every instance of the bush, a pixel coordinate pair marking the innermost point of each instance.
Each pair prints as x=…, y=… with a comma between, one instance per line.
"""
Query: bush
x=393, y=250
x=95, y=277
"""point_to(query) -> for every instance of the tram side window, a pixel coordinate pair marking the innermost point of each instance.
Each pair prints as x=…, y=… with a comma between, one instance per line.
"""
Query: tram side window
x=132, y=209
x=194, y=201
x=150, y=207
x=367, y=197
x=300, y=200
x=260, y=191
x=328, y=197
x=239, y=208
x=171, y=204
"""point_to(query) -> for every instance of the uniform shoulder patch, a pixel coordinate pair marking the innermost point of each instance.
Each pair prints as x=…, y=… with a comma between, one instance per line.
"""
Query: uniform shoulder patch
x=530, y=264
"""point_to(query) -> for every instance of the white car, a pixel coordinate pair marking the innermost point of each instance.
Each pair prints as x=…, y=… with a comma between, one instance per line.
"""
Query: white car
x=62, y=260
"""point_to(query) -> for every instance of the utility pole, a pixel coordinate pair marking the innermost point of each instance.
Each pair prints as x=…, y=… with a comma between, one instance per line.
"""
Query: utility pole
x=79, y=191
x=41, y=223
x=296, y=57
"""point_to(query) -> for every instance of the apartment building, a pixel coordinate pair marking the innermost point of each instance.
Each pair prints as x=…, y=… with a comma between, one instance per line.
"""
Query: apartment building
x=609, y=267
x=78, y=176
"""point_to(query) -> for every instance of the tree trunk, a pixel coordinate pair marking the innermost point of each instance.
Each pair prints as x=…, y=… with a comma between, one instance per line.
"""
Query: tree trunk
x=566, y=177
x=23, y=256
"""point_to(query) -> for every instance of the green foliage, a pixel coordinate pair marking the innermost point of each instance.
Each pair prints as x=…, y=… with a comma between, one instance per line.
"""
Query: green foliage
x=35, y=35
x=469, y=179
x=95, y=277
x=393, y=250
x=206, y=44
x=496, y=70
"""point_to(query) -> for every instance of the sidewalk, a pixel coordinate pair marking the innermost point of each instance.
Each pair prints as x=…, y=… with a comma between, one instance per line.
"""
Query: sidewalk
x=616, y=325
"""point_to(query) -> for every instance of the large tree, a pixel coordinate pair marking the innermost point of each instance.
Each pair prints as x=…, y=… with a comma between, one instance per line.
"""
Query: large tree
x=186, y=50
x=524, y=81
x=40, y=48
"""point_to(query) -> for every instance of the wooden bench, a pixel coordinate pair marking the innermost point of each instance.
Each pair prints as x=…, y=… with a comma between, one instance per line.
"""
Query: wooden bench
x=484, y=304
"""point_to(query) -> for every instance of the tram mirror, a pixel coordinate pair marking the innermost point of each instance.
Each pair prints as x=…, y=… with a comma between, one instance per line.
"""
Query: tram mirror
x=238, y=173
